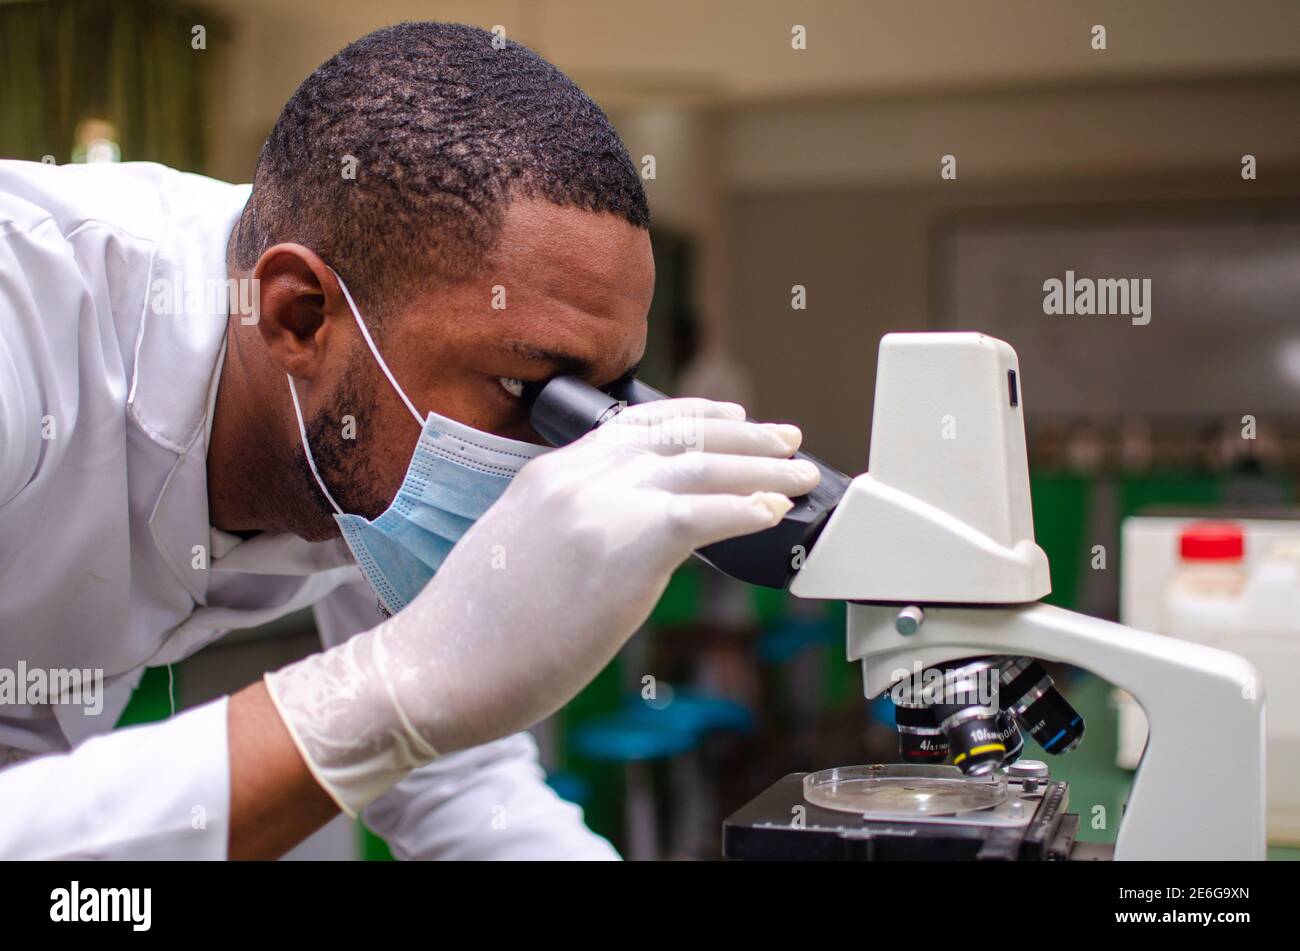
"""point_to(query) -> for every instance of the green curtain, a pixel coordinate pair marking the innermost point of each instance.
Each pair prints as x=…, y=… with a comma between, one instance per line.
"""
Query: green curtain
x=130, y=62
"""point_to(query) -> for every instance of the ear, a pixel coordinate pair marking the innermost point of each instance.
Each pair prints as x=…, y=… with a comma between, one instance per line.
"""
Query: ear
x=301, y=310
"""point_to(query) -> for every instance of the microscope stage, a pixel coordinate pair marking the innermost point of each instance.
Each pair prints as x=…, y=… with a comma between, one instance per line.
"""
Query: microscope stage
x=911, y=792
x=906, y=812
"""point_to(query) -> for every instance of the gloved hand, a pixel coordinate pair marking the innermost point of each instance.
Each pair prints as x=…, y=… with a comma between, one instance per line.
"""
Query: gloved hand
x=540, y=593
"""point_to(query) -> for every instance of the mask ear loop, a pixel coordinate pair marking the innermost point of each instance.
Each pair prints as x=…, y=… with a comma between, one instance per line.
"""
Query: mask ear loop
x=375, y=350
x=306, y=446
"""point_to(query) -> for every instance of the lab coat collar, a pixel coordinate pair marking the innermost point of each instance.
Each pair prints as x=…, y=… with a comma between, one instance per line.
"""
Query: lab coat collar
x=181, y=530
x=173, y=353
x=272, y=553
x=176, y=353
x=179, y=522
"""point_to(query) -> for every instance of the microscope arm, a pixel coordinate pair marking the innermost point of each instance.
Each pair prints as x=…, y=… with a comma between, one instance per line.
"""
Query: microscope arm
x=1199, y=790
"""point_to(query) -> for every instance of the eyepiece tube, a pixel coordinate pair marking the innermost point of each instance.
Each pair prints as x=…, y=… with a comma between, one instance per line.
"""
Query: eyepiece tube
x=566, y=408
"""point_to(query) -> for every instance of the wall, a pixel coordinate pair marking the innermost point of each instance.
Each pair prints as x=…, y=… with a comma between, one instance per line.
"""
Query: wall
x=843, y=198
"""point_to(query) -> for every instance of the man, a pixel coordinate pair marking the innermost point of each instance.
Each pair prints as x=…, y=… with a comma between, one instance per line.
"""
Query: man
x=434, y=223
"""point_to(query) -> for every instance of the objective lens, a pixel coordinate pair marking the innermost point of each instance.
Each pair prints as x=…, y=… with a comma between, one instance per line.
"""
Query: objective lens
x=919, y=738
x=1011, y=737
x=968, y=716
x=1041, y=710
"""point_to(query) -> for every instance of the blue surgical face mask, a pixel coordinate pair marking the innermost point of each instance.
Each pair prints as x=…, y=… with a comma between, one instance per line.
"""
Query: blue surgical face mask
x=455, y=473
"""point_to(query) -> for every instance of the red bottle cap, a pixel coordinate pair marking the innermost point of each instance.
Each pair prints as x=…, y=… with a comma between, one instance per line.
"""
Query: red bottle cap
x=1211, y=541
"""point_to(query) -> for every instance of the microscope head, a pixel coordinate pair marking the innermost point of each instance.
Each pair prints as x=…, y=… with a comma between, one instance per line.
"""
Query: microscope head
x=942, y=516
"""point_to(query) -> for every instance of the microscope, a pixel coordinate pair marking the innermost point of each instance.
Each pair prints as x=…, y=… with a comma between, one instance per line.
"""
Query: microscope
x=933, y=550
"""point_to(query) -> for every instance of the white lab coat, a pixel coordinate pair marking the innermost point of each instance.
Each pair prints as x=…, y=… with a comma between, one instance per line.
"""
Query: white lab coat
x=107, y=560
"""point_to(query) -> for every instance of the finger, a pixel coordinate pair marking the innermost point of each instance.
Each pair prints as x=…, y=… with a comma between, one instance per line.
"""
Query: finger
x=723, y=436
x=690, y=407
x=705, y=519
x=707, y=472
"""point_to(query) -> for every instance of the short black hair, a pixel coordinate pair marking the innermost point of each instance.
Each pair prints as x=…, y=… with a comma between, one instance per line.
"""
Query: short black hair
x=443, y=127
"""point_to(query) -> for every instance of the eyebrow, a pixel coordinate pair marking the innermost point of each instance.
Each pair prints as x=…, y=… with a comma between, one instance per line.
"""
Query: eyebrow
x=562, y=362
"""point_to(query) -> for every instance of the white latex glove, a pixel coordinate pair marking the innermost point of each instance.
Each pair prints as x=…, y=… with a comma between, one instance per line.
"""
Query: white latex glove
x=539, y=594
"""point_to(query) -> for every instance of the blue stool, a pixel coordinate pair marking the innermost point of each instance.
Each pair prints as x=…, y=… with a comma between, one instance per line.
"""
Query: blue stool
x=793, y=636
x=675, y=728
x=570, y=788
x=619, y=738
x=692, y=712
x=791, y=652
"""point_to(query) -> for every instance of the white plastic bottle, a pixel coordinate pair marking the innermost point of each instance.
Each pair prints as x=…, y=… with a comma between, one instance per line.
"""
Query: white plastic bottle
x=1203, y=602
x=1269, y=637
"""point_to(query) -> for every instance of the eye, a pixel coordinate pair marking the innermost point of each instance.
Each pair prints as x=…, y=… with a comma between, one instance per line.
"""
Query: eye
x=512, y=386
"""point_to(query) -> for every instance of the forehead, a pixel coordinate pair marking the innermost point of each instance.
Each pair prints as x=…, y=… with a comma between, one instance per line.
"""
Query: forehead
x=566, y=282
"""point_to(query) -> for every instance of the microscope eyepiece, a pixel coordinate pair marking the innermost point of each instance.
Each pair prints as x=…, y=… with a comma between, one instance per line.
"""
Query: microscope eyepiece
x=565, y=409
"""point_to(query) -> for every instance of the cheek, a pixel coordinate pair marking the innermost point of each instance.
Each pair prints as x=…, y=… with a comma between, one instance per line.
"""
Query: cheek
x=379, y=457
x=481, y=402
x=390, y=468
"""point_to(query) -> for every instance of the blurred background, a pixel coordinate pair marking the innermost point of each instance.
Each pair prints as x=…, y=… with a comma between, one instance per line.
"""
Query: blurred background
x=925, y=165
